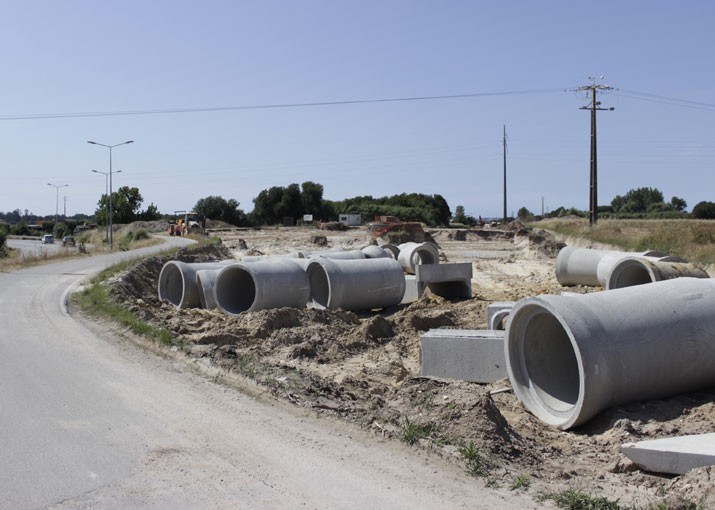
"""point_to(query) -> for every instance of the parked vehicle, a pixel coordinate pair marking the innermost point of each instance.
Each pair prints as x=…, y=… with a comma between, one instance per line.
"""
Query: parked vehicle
x=68, y=241
x=48, y=239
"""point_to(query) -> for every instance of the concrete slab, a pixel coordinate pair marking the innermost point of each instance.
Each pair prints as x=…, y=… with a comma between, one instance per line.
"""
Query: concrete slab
x=453, y=280
x=497, y=312
x=464, y=354
x=673, y=455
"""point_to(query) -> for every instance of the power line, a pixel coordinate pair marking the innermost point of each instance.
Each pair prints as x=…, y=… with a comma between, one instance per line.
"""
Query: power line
x=673, y=101
x=36, y=116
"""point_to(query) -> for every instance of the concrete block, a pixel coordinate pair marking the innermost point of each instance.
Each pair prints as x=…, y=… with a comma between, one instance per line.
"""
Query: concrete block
x=497, y=311
x=673, y=455
x=464, y=354
x=446, y=280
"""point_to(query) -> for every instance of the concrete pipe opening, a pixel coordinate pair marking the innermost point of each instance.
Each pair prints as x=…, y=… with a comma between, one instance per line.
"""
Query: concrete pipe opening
x=543, y=364
x=319, y=286
x=171, y=284
x=630, y=272
x=235, y=290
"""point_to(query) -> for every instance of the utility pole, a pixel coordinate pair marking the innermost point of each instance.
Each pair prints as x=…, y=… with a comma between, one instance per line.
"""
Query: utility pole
x=593, y=186
x=65, y=211
x=504, y=150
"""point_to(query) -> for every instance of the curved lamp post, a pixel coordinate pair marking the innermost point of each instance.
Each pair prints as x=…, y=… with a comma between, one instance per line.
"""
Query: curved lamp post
x=106, y=193
x=57, y=199
x=110, y=147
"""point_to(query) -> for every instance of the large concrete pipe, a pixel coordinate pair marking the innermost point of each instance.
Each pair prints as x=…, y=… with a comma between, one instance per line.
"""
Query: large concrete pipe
x=206, y=281
x=579, y=266
x=414, y=254
x=177, y=282
x=337, y=254
x=373, y=251
x=570, y=357
x=629, y=271
x=392, y=250
x=355, y=284
x=272, y=283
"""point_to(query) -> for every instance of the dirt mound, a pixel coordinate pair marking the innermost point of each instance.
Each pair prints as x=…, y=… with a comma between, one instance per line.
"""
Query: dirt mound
x=364, y=368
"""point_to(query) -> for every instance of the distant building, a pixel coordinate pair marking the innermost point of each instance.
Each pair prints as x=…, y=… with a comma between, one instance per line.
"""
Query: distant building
x=351, y=220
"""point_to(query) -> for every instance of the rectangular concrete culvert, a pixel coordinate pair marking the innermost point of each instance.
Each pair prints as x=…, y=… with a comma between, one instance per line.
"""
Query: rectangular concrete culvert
x=446, y=280
x=463, y=354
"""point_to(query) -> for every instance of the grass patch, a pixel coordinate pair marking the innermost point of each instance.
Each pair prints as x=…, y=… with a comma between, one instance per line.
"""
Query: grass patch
x=412, y=431
x=691, y=239
x=476, y=463
x=520, y=482
x=576, y=500
x=95, y=300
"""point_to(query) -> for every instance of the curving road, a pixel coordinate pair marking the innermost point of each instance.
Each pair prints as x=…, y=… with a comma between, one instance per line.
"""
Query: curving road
x=90, y=421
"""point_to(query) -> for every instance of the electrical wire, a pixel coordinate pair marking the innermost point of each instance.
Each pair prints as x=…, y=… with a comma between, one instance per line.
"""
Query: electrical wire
x=673, y=101
x=36, y=116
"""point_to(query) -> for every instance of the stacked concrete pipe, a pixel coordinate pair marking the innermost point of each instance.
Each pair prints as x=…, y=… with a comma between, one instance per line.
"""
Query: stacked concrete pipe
x=271, y=283
x=570, y=357
x=413, y=254
x=355, y=284
x=178, y=285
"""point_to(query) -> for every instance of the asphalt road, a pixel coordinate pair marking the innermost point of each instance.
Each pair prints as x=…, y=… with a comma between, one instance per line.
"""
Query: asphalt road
x=89, y=420
x=34, y=247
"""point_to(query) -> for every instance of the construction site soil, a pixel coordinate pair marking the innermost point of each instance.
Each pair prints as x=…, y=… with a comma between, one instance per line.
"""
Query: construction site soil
x=364, y=368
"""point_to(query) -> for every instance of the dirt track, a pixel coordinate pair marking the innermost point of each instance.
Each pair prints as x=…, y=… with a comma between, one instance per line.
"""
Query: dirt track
x=364, y=369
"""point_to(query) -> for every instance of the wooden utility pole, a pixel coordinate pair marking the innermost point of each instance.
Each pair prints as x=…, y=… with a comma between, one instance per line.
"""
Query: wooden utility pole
x=504, y=145
x=593, y=186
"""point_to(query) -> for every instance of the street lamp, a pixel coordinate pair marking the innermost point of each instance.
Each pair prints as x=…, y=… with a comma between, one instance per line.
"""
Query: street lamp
x=106, y=193
x=110, y=147
x=57, y=199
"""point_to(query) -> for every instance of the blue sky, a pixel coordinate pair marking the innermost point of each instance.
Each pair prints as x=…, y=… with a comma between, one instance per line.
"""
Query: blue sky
x=92, y=57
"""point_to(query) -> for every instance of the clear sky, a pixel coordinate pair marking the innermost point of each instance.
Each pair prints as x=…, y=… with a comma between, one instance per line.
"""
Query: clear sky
x=75, y=57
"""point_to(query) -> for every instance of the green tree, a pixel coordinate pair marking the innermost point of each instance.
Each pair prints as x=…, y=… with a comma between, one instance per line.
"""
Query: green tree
x=638, y=200
x=678, y=203
x=218, y=208
x=311, y=196
x=459, y=216
x=704, y=210
x=3, y=240
x=150, y=214
x=126, y=203
x=523, y=213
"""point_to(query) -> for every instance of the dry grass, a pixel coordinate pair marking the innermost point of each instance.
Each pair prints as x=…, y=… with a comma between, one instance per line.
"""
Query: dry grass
x=88, y=243
x=691, y=239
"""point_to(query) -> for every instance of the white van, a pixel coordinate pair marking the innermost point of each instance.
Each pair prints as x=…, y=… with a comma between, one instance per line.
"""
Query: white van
x=48, y=239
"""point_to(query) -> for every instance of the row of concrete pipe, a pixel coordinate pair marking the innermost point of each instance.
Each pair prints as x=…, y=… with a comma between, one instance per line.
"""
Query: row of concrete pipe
x=373, y=277
x=572, y=356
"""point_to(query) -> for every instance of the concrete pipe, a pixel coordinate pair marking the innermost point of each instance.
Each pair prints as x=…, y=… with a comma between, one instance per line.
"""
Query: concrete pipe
x=206, y=281
x=338, y=254
x=579, y=266
x=570, y=357
x=414, y=254
x=392, y=250
x=355, y=284
x=262, y=284
x=177, y=282
x=497, y=312
x=630, y=271
x=375, y=252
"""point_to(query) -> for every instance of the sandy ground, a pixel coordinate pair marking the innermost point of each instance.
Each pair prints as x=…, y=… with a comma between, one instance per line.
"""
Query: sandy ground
x=364, y=368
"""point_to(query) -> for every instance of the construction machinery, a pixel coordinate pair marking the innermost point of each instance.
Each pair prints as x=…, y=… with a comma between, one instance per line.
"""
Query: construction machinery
x=186, y=222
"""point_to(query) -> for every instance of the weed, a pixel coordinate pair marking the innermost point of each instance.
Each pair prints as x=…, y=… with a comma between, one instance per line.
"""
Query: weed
x=476, y=464
x=520, y=482
x=571, y=499
x=413, y=432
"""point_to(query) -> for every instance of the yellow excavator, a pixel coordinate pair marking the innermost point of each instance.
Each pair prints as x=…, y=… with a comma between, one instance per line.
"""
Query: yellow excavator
x=186, y=222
